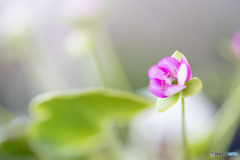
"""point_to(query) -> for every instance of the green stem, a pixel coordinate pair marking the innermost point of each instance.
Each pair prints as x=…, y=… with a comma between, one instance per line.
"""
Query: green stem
x=226, y=121
x=235, y=78
x=118, y=77
x=31, y=75
x=98, y=62
x=5, y=115
x=185, y=144
x=31, y=66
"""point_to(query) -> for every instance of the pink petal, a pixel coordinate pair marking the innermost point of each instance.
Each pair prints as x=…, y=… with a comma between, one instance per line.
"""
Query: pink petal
x=182, y=74
x=169, y=65
x=235, y=43
x=174, y=89
x=189, y=72
x=158, y=87
x=236, y=39
x=155, y=72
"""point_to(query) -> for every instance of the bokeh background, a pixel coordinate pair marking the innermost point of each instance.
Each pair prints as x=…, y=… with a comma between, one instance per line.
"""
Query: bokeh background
x=39, y=46
x=142, y=33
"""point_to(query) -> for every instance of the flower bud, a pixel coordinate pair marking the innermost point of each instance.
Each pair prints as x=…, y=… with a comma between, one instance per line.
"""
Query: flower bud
x=78, y=43
x=235, y=44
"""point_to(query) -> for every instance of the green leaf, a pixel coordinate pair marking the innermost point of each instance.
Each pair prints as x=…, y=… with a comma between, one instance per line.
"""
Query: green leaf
x=16, y=149
x=164, y=103
x=13, y=143
x=194, y=86
x=76, y=123
x=5, y=115
x=177, y=55
x=226, y=122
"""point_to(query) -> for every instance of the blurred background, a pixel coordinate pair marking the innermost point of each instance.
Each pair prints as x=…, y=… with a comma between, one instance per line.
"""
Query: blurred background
x=142, y=33
x=46, y=46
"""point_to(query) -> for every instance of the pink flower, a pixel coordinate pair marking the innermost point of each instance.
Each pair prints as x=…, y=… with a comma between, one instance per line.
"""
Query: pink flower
x=235, y=44
x=169, y=76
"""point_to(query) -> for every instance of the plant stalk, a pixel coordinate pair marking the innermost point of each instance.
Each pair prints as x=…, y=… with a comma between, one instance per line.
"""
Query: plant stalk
x=98, y=62
x=185, y=144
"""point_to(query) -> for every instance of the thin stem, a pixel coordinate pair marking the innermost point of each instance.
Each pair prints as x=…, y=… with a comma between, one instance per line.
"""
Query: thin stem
x=99, y=65
x=185, y=145
x=235, y=78
x=226, y=121
x=29, y=71
x=118, y=76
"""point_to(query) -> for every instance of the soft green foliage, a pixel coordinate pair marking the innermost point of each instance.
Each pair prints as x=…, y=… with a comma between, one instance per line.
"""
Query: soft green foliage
x=199, y=147
x=226, y=122
x=16, y=149
x=5, y=115
x=194, y=86
x=164, y=103
x=13, y=144
x=76, y=123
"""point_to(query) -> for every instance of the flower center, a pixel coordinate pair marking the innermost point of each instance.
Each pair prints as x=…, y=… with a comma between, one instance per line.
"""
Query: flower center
x=174, y=81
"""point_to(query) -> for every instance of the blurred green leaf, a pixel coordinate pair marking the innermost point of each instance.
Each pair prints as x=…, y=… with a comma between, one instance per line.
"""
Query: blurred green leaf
x=226, y=119
x=199, y=148
x=13, y=144
x=164, y=103
x=71, y=124
x=194, y=86
x=5, y=115
x=222, y=127
x=16, y=149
